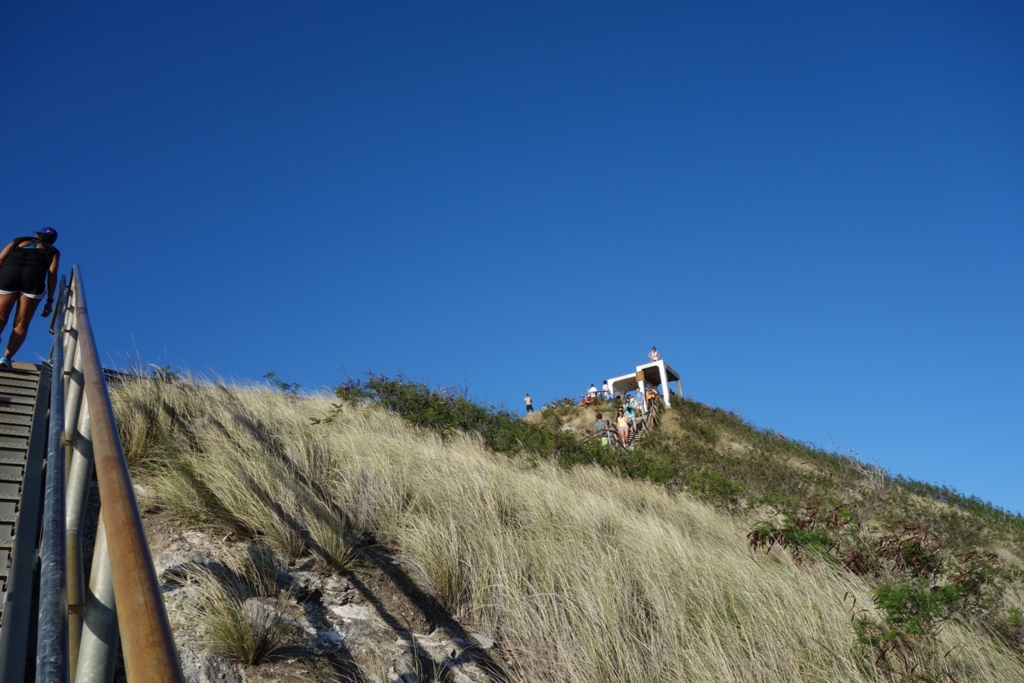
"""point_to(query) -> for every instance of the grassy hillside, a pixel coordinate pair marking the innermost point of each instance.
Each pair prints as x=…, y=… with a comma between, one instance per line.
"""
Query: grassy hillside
x=716, y=456
x=590, y=564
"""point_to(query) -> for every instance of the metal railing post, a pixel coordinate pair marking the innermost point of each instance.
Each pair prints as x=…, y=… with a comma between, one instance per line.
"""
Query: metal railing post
x=79, y=478
x=52, y=647
x=98, y=651
x=73, y=386
x=69, y=333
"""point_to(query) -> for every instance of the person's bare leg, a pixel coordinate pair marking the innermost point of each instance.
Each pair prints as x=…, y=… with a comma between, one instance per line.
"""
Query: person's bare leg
x=26, y=309
x=7, y=302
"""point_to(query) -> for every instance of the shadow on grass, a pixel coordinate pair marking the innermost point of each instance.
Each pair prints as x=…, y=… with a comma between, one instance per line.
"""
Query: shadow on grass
x=430, y=608
x=321, y=509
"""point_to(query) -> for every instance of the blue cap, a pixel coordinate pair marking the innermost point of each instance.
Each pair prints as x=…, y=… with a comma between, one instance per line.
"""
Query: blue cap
x=48, y=235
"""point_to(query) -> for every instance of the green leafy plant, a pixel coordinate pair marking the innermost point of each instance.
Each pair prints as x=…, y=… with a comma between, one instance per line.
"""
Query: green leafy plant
x=806, y=533
x=288, y=388
x=164, y=373
x=929, y=586
x=924, y=586
x=449, y=410
x=1010, y=628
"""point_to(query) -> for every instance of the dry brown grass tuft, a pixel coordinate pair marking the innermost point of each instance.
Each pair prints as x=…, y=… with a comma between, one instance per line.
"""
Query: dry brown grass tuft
x=239, y=627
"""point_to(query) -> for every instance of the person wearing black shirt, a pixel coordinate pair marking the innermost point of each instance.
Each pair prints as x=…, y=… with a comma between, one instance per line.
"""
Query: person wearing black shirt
x=28, y=271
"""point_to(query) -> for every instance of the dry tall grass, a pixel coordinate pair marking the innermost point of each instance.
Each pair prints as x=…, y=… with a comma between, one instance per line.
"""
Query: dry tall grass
x=579, y=575
x=233, y=623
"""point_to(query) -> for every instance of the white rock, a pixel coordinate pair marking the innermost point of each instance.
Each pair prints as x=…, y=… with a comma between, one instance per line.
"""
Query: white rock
x=352, y=612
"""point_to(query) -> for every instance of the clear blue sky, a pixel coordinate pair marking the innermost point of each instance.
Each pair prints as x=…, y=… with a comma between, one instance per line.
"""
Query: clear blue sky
x=814, y=209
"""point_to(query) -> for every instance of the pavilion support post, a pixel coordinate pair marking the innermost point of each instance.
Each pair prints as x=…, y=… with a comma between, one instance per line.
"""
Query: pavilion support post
x=664, y=382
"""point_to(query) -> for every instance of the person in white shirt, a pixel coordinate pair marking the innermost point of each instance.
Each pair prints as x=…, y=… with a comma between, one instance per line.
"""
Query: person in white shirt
x=654, y=355
x=606, y=390
x=592, y=392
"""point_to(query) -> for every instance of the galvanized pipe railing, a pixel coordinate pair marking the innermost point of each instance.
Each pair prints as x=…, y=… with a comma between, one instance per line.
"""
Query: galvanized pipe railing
x=52, y=642
x=78, y=447
x=97, y=652
x=122, y=570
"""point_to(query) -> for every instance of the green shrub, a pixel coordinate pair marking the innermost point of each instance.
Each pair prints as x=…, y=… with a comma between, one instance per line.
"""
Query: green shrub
x=809, y=533
x=913, y=608
x=925, y=584
x=449, y=410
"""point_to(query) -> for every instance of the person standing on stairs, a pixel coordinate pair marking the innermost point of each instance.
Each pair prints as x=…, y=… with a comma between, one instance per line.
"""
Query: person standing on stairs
x=622, y=426
x=651, y=398
x=603, y=430
x=630, y=410
x=28, y=271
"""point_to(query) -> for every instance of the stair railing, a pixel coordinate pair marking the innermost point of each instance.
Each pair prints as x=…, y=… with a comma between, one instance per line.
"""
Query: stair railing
x=124, y=594
x=646, y=423
x=52, y=638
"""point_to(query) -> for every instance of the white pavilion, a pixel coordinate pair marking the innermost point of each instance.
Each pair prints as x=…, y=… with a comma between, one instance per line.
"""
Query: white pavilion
x=657, y=374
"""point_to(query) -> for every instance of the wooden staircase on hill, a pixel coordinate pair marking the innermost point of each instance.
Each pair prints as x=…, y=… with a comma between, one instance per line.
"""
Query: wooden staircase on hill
x=645, y=425
x=24, y=390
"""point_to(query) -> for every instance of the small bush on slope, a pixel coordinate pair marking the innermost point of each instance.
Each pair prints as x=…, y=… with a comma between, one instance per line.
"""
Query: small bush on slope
x=580, y=575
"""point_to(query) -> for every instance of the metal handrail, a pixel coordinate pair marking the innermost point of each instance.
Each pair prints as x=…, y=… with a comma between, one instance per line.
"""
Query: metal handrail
x=146, y=640
x=52, y=643
x=646, y=423
x=78, y=634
